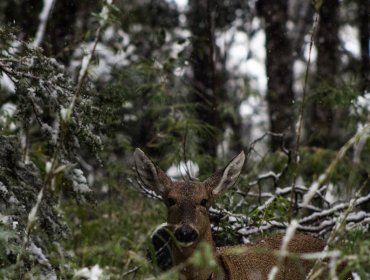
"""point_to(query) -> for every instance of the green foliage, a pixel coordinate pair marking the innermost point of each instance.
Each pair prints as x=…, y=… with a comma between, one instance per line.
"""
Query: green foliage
x=203, y=257
x=143, y=108
x=356, y=243
x=336, y=96
x=19, y=187
x=36, y=141
x=9, y=243
x=113, y=233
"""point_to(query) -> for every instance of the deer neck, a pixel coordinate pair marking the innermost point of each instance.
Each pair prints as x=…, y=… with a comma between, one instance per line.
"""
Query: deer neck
x=181, y=256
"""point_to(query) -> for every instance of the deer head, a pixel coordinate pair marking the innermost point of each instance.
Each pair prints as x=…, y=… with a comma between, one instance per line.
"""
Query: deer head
x=188, y=202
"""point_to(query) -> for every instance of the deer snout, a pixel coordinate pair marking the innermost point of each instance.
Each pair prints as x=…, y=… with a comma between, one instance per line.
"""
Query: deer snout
x=186, y=235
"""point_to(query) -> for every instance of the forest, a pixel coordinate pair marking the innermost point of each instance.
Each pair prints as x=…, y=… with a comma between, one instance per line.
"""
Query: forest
x=192, y=83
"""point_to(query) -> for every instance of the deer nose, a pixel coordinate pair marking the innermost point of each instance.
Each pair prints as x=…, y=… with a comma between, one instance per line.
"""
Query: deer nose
x=186, y=234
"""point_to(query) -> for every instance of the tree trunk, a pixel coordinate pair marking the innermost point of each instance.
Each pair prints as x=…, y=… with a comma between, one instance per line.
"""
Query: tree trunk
x=67, y=25
x=364, y=27
x=23, y=14
x=279, y=63
x=323, y=123
x=203, y=67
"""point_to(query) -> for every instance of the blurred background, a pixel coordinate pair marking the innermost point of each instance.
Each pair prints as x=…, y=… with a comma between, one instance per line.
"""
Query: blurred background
x=192, y=83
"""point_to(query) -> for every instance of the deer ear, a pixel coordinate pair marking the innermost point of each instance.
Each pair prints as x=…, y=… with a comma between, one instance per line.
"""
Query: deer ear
x=149, y=174
x=224, y=179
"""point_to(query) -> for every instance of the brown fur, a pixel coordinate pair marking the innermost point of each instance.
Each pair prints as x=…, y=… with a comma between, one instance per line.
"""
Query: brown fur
x=255, y=261
x=188, y=204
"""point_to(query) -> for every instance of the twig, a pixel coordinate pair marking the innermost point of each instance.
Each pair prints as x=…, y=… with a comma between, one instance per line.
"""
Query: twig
x=293, y=201
x=131, y=271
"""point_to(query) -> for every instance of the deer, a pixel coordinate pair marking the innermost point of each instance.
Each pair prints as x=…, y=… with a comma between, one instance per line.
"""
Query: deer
x=188, y=204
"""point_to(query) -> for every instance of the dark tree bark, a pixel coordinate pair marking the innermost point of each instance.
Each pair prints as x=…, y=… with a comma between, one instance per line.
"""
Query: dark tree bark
x=364, y=27
x=301, y=14
x=203, y=66
x=279, y=63
x=15, y=12
x=66, y=27
x=66, y=24
x=323, y=123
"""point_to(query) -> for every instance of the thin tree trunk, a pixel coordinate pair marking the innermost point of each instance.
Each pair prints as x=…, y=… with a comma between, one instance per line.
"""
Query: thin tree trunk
x=323, y=124
x=203, y=66
x=279, y=63
x=364, y=27
x=66, y=25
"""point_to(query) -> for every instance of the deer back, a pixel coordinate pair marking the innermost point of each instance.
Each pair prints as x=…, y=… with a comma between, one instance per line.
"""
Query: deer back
x=255, y=261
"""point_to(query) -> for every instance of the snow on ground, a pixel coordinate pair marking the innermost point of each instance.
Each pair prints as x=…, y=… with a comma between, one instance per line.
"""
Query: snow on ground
x=93, y=273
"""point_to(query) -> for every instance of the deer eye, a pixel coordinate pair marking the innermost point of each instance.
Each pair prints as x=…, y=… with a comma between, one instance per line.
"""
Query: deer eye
x=171, y=202
x=204, y=202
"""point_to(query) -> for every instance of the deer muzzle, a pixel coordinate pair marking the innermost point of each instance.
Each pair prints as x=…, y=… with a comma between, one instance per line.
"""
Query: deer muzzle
x=186, y=235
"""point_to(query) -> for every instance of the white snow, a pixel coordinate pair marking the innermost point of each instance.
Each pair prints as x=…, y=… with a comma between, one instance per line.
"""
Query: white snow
x=232, y=219
x=108, y=59
x=4, y=219
x=104, y=14
x=349, y=36
x=330, y=194
x=6, y=83
x=48, y=273
x=3, y=188
x=362, y=104
x=8, y=109
x=37, y=252
x=64, y=112
x=53, y=131
x=48, y=165
x=79, y=181
x=93, y=273
x=182, y=169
